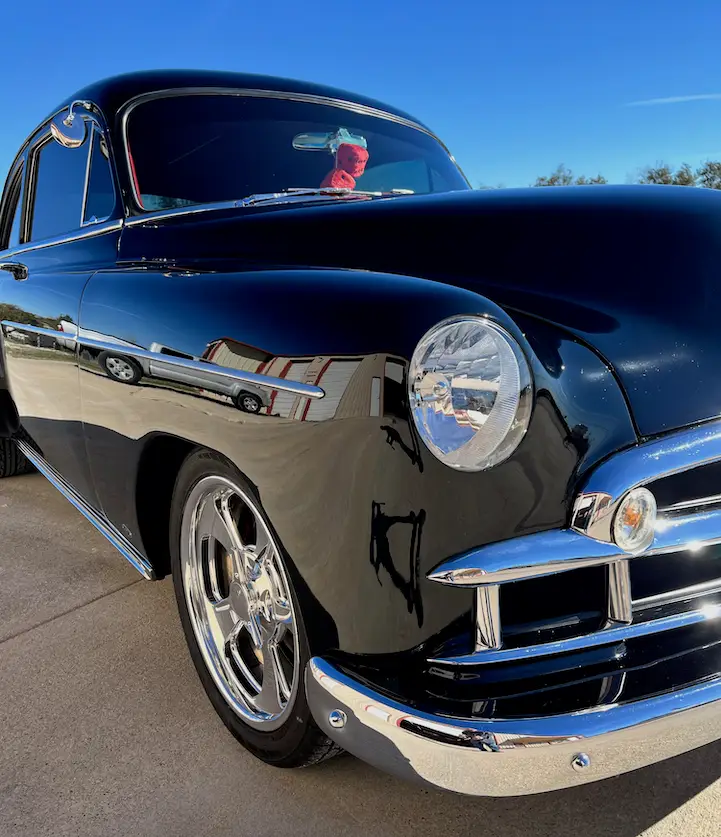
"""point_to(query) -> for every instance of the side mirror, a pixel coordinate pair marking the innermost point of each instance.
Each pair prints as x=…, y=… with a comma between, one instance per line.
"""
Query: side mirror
x=70, y=130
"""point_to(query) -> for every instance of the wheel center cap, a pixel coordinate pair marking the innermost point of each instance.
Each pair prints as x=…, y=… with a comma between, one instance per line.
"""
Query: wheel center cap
x=242, y=597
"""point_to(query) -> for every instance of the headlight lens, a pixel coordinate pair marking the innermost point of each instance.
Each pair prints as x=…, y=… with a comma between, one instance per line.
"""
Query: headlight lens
x=635, y=521
x=470, y=392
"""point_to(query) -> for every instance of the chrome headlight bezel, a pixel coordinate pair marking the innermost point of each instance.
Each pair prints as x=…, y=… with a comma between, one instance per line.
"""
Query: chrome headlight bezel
x=470, y=439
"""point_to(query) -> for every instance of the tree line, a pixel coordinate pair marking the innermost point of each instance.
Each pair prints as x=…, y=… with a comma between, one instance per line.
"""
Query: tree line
x=707, y=176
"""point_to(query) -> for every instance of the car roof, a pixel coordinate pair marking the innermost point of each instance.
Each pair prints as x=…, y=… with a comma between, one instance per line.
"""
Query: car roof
x=112, y=93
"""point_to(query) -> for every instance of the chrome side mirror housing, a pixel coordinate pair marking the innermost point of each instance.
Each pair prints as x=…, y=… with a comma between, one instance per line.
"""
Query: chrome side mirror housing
x=71, y=129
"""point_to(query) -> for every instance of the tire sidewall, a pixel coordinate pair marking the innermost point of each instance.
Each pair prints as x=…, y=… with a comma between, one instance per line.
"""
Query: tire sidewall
x=276, y=746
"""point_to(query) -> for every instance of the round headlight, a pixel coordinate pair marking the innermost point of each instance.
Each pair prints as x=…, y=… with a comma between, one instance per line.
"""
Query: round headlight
x=470, y=392
x=635, y=521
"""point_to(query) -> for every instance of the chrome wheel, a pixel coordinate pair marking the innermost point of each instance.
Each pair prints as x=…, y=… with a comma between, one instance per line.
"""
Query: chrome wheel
x=239, y=603
x=120, y=368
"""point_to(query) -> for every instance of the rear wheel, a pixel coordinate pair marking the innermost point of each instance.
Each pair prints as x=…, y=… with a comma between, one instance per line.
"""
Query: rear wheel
x=241, y=618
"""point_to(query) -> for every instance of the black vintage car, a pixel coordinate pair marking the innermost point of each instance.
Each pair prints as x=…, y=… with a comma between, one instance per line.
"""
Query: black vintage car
x=470, y=533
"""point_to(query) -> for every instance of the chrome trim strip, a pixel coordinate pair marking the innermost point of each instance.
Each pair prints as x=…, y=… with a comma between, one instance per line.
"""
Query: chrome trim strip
x=248, y=92
x=529, y=556
x=488, y=618
x=693, y=592
x=714, y=500
x=296, y=387
x=620, y=606
x=643, y=627
x=89, y=231
x=99, y=521
x=671, y=454
x=501, y=757
x=88, y=162
x=45, y=332
x=561, y=550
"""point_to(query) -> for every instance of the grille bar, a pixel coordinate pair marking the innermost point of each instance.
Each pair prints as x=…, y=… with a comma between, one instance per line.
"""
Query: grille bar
x=688, y=525
x=620, y=606
x=695, y=591
x=644, y=624
x=488, y=618
x=560, y=550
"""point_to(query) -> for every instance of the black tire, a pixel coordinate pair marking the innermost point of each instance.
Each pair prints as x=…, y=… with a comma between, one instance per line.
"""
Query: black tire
x=298, y=742
x=248, y=402
x=12, y=461
x=137, y=370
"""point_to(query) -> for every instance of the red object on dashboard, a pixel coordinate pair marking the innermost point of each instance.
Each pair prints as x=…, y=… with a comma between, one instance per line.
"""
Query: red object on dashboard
x=350, y=162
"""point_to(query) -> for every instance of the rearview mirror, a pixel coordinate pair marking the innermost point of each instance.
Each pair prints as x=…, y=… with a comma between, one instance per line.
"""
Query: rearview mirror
x=327, y=142
x=70, y=129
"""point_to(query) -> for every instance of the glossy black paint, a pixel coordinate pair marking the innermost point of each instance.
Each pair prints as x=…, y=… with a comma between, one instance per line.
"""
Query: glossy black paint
x=42, y=374
x=361, y=507
x=630, y=270
x=357, y=486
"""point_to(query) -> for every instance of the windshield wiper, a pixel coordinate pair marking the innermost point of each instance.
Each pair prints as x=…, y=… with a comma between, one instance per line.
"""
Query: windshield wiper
x=297, y=195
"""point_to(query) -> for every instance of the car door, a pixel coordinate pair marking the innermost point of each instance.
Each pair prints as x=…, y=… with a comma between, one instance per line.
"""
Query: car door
x=62, y=231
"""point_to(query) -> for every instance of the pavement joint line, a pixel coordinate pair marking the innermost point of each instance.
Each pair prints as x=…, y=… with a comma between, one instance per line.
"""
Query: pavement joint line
x=70, y=610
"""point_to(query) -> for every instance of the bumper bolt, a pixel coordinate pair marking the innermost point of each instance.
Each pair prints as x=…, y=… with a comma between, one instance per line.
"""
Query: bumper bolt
x=337, y=719
x=581, y=762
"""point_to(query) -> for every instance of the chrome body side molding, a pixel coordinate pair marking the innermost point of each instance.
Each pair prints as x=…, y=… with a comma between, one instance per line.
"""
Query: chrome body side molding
x=499, y=757
x=99, y=521
x=222, y=372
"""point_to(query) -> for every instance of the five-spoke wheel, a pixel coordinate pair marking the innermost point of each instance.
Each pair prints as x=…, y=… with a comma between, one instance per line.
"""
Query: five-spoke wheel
x=238, y=600
x=240, y=614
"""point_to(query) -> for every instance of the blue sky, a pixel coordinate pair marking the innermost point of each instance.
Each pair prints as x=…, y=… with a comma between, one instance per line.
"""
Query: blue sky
x=514, y=87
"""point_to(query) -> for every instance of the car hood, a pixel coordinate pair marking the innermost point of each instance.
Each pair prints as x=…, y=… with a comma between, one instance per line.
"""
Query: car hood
x=632, y=271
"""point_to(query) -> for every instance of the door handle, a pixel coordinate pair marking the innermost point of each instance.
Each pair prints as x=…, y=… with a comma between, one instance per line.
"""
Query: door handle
x=19, y=271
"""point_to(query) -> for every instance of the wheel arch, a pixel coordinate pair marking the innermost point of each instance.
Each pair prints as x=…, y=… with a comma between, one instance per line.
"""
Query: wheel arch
x=158, y=467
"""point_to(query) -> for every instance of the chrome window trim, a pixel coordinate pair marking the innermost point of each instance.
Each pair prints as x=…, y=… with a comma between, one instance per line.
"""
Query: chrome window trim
x=266, y=381
x=30, y=149
x=17, y=170
x=257, y=93
x=88, y=162
x=89, y=231
x=96, y=129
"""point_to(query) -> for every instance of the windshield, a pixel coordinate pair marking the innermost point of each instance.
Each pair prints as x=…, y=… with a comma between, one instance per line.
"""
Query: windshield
x=206, y=148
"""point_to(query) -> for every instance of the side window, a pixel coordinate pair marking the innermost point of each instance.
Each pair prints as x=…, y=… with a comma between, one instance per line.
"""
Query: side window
x=10, y=230
x=59, y=187
x=100, y=200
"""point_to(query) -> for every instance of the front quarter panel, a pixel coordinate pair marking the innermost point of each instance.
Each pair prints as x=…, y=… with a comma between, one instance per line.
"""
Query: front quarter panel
x=363, y=510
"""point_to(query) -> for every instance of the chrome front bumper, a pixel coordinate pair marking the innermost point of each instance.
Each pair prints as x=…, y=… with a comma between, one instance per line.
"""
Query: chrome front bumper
x=510, y=757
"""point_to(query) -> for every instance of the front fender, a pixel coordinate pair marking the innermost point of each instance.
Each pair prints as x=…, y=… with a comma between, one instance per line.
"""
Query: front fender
x=363, y=510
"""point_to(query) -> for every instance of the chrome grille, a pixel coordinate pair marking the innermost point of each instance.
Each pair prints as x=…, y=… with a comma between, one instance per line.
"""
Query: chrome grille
x=684, y=528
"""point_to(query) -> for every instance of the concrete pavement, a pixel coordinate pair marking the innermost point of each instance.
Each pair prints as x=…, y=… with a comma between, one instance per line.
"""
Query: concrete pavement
x=104, y=729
